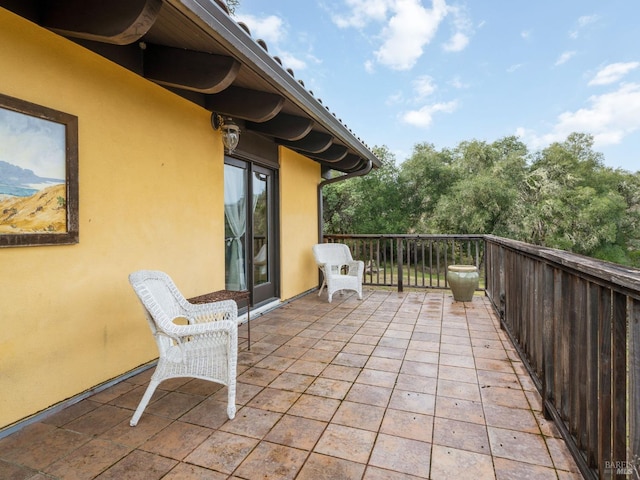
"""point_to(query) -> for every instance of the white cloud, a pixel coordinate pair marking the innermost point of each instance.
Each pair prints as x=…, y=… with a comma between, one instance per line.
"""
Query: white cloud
x=409, y=29
x=525, y=34
x=564, y=58
x=514, y=67
x=613, y=72
x=463, y=28
x=456, y=82
x=583, y=22
x=424, y=86
x=609, y=118
x=361, y=12
x=270, y=28
x=457, y=42
x=424, y=116
x=394, y=99
x=369, y=66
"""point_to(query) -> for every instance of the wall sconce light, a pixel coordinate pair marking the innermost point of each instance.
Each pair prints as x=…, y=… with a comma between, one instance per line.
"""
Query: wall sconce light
x=230, y=131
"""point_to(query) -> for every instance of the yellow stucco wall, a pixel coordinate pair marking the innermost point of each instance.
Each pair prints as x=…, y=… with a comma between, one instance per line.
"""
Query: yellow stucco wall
x=299, y=178
x=151, y=196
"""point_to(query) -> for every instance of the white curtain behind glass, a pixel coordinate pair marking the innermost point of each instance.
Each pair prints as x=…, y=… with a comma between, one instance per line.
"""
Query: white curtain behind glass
x=235, y=211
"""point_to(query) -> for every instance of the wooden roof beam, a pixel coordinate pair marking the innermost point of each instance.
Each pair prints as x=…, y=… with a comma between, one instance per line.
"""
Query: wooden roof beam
x=189, y=70
x=333, y=154
x=284, y=126
x=117, y=21
x=246, y=104
x=314, y=142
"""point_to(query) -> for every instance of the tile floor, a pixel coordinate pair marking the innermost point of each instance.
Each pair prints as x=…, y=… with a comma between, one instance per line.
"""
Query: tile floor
x=396, y=386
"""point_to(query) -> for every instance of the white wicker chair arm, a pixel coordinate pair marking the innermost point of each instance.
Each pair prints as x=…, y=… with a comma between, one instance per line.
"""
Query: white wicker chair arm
x=174, y=330
x=356, y=267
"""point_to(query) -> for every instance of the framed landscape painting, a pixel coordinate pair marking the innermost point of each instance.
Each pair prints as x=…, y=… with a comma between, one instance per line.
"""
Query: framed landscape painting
x=38, y=175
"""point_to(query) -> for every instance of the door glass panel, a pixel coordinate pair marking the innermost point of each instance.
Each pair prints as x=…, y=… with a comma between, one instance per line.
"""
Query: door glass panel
x=235, y=227
x=260, y=229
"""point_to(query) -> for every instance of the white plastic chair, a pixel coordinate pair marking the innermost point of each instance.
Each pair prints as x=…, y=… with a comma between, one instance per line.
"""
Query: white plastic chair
x=339, y=270
x=206, y=347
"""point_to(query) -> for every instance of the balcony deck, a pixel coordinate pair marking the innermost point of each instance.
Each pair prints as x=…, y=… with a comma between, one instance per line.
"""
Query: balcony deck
x=396, y=386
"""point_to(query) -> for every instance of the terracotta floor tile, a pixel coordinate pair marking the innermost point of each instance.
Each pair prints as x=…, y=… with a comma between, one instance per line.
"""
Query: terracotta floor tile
x=420, y=369
x=288, y=432
x=132, y=398
x=185, y=471
x=328, y=387
x=511, y=418
x=365, y=339
x=458, y=374
x=394, y=342
x=447, y=462
x=402, y=455
x=384, y=364
x=375, y=473
x=296, y=382
x=359, y=348
x=340, y=372
x=416, y=383
x=421, y=356
x=39, y=444
x=305, y=342
x=459, y=409
x=123, y=433
x=369, y=394
x=139, y=465
x=199, y=387
x=507, y=397
x=346, y=442
x=274, y=400
x=89, y=460
x=407, y=425
x=350, y=360
x=377, y=377
x=315, y=355
x=510, y=469
x=99, y=420
x=306, y=367
x=493, y=365
x=210, y=413
x=356, y=415
x=258, y=376
x=323, y=467
x=424, y=346
x=279, y=364
x=314, y=407
x=272, y=461
x=252, y=422
x=519, y=446
x=461, y=435
x=11, y=471
x=454, y=389
x=222, y=451
x=466, y=361
x=177, y=440
x=416, y=402
x=112, y=392
x=561, y=457
x=71, y=413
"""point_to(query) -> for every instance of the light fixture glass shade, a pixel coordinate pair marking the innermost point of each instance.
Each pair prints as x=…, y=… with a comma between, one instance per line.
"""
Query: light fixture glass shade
x=230, y=135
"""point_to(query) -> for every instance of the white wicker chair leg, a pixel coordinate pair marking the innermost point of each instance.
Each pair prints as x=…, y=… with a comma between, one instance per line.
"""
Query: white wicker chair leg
x=144, y=402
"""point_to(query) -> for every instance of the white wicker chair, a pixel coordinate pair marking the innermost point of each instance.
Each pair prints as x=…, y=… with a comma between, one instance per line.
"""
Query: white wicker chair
x=206, y=347
x=339, y=270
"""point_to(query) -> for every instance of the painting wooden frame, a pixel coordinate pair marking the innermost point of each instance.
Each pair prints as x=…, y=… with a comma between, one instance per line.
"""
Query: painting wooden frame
x=36, y=209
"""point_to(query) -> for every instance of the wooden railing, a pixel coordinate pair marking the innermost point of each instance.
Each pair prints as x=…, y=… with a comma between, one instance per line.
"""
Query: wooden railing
x=574, y=320
x=412, y=261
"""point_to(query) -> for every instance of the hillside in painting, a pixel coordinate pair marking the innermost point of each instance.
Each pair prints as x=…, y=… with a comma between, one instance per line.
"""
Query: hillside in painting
x=43, y=212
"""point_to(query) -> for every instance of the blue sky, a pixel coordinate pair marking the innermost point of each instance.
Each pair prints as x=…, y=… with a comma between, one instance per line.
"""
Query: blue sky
x=401, y=72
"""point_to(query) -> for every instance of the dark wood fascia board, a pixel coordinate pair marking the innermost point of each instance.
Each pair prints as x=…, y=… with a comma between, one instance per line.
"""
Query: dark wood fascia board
x=117, y=21
x=334, y=153
x=189, y=70
x=284, y=126
x=245, y=104
x=314, y=142
x=241, y=45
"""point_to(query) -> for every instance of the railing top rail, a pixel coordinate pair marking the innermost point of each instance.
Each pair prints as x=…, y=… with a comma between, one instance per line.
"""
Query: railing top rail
x=417, y=235
x=626, y=277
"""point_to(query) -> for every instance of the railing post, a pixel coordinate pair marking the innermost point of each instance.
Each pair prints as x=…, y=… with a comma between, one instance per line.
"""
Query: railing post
x=400, y=255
